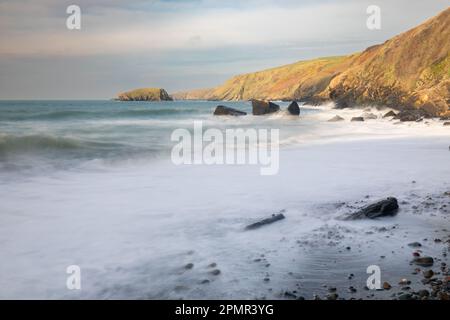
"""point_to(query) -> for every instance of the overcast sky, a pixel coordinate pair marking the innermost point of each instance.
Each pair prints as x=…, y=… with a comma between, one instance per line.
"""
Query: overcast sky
x=178, y=44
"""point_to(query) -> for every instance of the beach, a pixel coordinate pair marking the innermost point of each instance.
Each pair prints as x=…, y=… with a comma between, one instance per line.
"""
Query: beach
x=141, y=227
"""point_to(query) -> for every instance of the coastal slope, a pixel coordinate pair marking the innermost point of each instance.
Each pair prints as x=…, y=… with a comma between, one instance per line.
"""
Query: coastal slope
x=411, y=70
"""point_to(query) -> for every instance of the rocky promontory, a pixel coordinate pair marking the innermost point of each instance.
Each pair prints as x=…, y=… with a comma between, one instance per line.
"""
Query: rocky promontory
x=145, y=94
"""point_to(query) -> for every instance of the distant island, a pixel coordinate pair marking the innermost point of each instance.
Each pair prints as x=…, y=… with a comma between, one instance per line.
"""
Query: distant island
x=410, y=71
x=145, y=94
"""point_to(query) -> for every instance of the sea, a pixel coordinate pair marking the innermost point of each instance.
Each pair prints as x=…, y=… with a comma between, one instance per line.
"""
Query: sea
x=92, y=184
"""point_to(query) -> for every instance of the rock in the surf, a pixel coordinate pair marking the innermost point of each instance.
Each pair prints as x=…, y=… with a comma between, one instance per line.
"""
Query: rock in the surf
x=294, y=109
x=386, y=207
x=369, y=116
x=227, y=111
x=336, y=119
x=389, y=114
x=264, y=107
x=272, y=219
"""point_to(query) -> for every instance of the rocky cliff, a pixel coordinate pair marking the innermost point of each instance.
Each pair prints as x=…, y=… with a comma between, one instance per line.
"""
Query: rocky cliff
x=411, y=70
x=145, y=94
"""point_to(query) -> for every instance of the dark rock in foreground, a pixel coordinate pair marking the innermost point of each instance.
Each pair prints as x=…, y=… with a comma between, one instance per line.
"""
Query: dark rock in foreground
x=446, y=124
x=227, y=111
x=336, y=119
x=357, y=119
x=294, y=109
x=264, y=107
x=381, y=208
x=272, y=219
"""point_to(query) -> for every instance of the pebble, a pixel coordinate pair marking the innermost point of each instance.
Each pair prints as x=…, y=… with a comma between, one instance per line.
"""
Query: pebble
x=215, y=272
x=428, y=274
x=404, y=282
x=423, y=293
x=415, y=244
x=424, y=261
x=290, y=295
x=386, y=286
x=332, y=296
x=405, y=296
x=189, y=266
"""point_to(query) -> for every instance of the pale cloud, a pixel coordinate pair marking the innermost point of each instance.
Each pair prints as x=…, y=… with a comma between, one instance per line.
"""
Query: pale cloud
x=178, y=44
x=30, y=29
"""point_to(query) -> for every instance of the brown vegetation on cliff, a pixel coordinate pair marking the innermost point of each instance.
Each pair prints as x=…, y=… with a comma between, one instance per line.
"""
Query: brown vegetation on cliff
x=411, y=70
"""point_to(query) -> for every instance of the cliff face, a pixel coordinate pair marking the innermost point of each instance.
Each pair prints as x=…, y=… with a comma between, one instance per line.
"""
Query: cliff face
x=145, y=94
x=411, y=70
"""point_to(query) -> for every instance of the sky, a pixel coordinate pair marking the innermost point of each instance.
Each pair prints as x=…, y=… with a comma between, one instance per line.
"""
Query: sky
x=178, y=44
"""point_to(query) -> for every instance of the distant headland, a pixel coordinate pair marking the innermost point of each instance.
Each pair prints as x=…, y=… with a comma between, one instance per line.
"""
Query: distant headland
x=145, y=94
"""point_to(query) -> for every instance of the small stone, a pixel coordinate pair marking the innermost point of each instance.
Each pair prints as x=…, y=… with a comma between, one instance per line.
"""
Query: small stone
x=290, y=295
x=424, y=261
x=212, y=265
x=332, y=289
x=407, y=288
x=404, y=282
x=206, y=281
x=386, y=286
x=405, y=296
x=189, y=266
x=428, y=274
x=415, y=244
x=443, y=295
x=332, y=296
x=215, y=272
x=423, y=293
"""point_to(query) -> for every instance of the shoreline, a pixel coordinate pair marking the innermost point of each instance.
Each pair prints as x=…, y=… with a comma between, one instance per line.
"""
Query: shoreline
x=120, y=229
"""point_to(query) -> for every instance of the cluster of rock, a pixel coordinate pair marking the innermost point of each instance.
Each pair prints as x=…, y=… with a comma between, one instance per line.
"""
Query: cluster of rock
x=413, y=115
x=259, y=107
